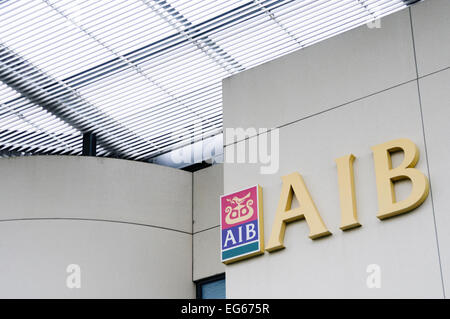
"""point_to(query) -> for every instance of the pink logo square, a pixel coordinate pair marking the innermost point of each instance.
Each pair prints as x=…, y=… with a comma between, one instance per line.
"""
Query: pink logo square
x=239, y=208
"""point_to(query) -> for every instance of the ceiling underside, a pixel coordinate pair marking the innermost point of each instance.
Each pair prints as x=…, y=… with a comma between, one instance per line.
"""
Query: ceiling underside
x=144, y=76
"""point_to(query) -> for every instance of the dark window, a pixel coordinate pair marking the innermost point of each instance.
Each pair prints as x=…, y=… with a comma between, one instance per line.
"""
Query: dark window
x=211, y=287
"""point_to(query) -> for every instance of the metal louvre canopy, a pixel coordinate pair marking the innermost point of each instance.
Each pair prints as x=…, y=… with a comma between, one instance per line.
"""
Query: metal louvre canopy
x=143, y=75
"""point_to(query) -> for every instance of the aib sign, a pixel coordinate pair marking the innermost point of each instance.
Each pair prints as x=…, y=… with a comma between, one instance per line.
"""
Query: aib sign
x=241, y=224
x=241, y=212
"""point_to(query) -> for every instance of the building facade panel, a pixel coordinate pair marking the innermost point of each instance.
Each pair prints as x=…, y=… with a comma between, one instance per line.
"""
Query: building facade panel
x=208, y=184
x=208, y=187
x=96, y=188
x=435, y=96
x=207, y=254
x=431, y=25
x=343, y=68
x=115, y=260
x=404, y=247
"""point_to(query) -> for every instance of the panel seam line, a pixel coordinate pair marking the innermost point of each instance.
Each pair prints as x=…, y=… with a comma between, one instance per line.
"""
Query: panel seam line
x=94, y=220
x=206, y=229
x=426, y=153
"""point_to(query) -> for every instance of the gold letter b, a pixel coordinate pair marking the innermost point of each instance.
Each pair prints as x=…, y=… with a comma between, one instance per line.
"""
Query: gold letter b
x=386, y=176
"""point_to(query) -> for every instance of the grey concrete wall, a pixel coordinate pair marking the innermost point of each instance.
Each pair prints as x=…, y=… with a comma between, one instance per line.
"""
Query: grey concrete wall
x=126, y=224
x=344, y=95
x=207, y=187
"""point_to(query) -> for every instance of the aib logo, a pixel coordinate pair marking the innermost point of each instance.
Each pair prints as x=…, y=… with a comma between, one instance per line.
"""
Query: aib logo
x=241, y=224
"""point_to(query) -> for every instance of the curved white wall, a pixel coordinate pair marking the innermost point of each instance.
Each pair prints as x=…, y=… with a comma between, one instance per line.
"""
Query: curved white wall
x=128, y=225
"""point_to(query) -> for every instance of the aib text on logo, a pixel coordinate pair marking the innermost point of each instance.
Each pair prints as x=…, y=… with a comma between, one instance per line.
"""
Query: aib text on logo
x=241, y=224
